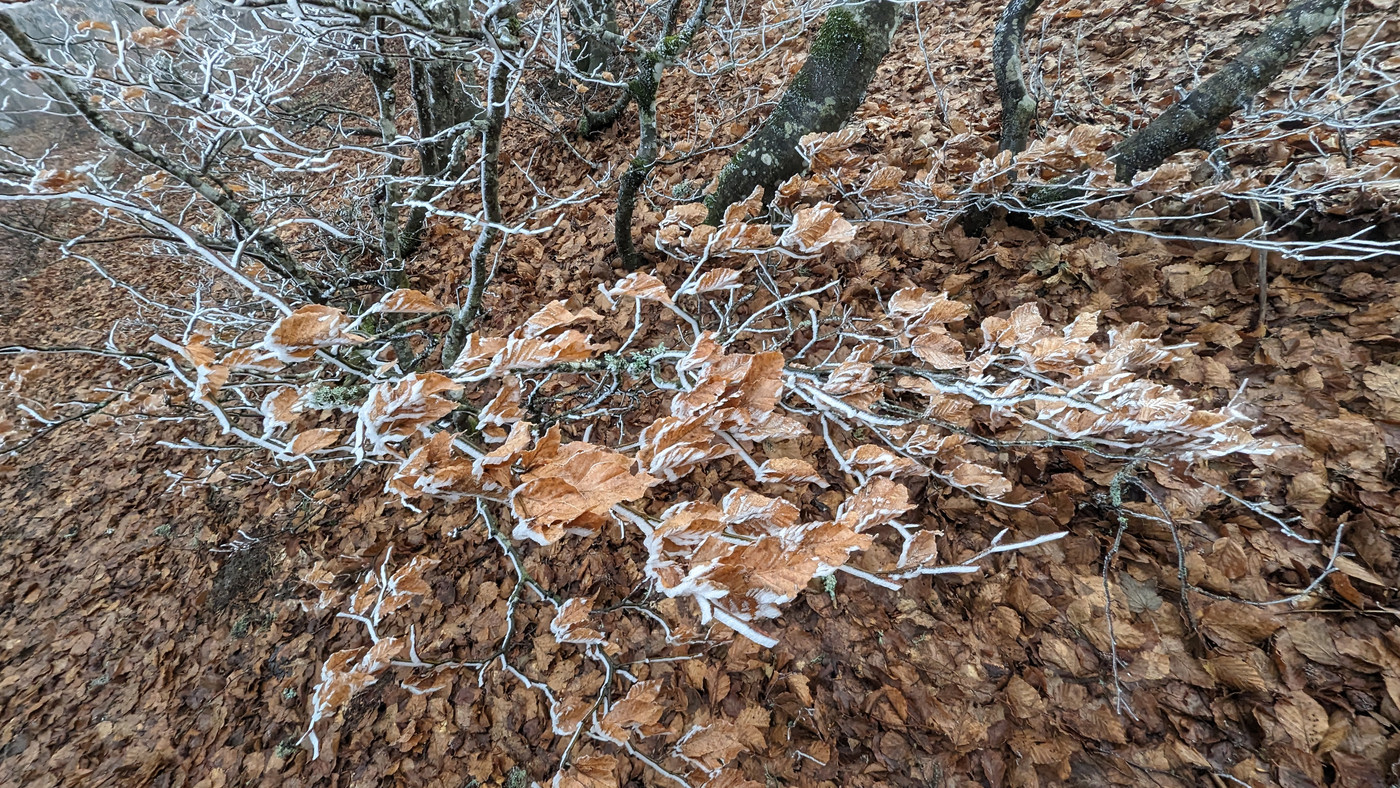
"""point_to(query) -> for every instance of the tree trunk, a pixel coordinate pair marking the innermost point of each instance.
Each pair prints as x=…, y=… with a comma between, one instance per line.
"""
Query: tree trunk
x=1193, y=120
x=444, y=99
x=845, y=53
x=1017, y=104
x=449, y=113
x=492, y=218
x=643, y=88
x=596, y=21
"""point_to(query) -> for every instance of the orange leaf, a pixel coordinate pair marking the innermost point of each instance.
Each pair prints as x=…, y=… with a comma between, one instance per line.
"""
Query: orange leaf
x=638, y=710
x=813, y=229
x=571, y=623
x=313, y=440
x=640, y=285
x=297, y=336
x=408, y=302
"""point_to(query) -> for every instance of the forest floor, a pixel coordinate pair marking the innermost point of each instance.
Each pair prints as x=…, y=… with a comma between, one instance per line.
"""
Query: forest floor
x=152, y=632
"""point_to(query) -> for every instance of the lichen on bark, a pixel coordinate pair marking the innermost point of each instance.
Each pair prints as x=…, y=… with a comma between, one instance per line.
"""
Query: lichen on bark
x=1017, y=104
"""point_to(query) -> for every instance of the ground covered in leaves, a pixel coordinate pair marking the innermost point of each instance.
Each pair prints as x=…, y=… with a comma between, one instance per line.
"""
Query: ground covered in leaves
x=152, y=627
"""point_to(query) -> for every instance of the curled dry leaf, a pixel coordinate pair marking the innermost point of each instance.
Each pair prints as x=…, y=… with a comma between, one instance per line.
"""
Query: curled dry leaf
x=877, y=502
x=504, y=409
x=474, y=362
x=640, y=285
x=716, y=279
x=522, y=353
x=813, y=229
x=736, y=394
x=436, y=470
x=737, y=580
x=918, y=309
x=253, y=358
x=830, y=150
x=571, y=623
x=589, y=771
x=745, y=209
x=566, y=714
x=407, y=302
x=672, y=446
x=1020, y=327
x=789, y=470
x=493, y=469
x=987, y=481
x=313, y=440
x=405, y=584
x=572, y=491
x=396, y=410
x=885, y=179
x=875, y=460
x=156, y=37
x=323, y=580
x=342, y=676
x=705, y=351
x=297, y=337
x=553, y=316
x=939, y=350
x=209, y=376
x=639, y=710
x=853, y=381
x=711, y=747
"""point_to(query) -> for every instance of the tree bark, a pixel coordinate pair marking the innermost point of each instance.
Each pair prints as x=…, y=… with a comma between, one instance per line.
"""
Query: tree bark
x=383, y=75
x=848, y=47
x=449, y=114
x=650, y=66
x=1193, y=120
x=1017, y=104
x=490, y=209
x=596, y=21
x=444, y=101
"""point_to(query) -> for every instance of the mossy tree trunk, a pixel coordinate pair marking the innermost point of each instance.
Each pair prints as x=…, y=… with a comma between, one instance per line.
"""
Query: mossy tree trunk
x=848, y=47
x=1192, y=122
x=1017, y=104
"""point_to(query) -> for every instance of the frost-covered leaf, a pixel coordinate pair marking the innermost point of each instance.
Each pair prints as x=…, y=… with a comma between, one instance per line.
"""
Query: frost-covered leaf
x=436, y=470
x=553, y=316
x=297, y=337
x=397, y=410
x=572, y=624
x=504, y=409
x=408, y=302
x=789, y=470
x=879, y=461
x=715, y=279
x=573, y=491
x=640, y=285
x=476, y=356
x=813, y=229
x=639, y=710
